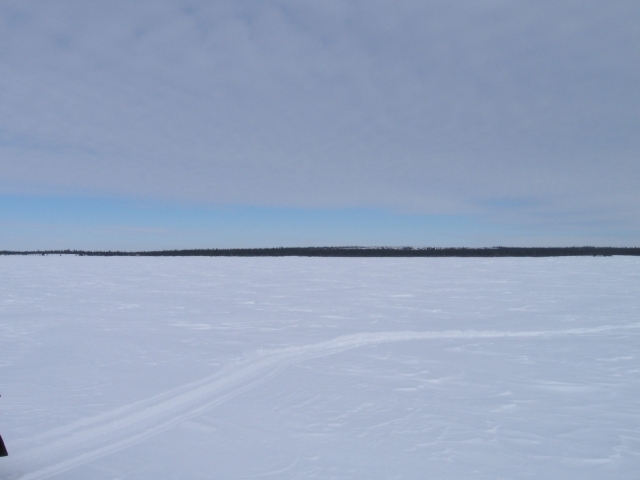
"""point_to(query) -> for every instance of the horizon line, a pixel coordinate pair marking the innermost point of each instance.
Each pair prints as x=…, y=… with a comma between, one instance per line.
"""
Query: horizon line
x=352, y=251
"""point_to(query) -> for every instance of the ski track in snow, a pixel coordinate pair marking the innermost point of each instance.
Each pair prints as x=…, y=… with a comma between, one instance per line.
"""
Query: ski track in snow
x=64, y=448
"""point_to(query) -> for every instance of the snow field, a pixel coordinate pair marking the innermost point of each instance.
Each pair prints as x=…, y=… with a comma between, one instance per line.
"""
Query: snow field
x=319, y=368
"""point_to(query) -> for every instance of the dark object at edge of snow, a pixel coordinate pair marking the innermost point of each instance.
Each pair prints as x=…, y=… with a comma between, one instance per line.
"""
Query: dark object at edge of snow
x=3, y=449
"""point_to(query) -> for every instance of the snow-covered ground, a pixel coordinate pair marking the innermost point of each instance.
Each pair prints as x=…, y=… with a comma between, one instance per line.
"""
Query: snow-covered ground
x=216, y=368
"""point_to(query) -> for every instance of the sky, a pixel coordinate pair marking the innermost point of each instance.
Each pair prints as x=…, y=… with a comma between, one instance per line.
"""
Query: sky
x=204, y=124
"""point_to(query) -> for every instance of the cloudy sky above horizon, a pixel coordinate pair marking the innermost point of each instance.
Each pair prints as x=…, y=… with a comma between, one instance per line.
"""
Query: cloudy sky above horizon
x=322, y=122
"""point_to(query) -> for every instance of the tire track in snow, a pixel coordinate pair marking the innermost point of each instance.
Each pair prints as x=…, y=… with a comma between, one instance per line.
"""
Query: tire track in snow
x=64, y=448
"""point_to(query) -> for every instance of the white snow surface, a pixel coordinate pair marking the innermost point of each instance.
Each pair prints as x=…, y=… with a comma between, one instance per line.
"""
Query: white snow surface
x=417, y=368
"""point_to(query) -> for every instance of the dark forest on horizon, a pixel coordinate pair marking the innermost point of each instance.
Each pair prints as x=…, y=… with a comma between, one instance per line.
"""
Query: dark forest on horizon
x=353, y=252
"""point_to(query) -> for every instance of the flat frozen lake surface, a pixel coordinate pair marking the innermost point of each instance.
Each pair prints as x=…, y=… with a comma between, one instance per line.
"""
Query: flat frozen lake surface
x=202, y=368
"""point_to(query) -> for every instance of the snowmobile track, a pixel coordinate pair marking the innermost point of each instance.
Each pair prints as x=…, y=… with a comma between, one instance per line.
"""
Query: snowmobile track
x=81, y=442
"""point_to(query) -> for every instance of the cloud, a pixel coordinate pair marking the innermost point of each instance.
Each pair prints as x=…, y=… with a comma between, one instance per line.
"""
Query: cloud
x=431, y=107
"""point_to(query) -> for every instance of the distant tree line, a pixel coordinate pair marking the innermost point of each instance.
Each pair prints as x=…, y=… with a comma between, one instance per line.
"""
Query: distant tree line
x=355, y=252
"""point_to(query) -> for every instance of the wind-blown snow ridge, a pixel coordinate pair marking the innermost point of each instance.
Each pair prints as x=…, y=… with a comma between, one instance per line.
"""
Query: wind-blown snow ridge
x=64, y=448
